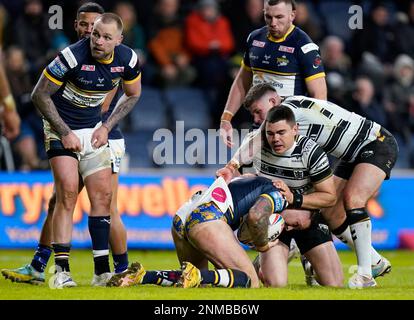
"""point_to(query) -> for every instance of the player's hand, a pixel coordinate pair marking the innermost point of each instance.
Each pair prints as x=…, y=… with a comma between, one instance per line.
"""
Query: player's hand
x=226, y=132
x=99, y=137
x=71, y=142
x=11, y=124
x=226, y=173
x=284, y=190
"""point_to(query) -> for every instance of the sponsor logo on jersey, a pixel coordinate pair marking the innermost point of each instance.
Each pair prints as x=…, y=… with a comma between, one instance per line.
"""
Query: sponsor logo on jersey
x=317, y=62
x=309, y=47
x=84, y=81
x=88, y=67
x=282, y=61
x=257, y=43
x=252, y=56
x=117, y=69
x=57, y=68
x=267, y=58
x=367, y=154
x=219, y=194
x=286, y=49
x=298, y=174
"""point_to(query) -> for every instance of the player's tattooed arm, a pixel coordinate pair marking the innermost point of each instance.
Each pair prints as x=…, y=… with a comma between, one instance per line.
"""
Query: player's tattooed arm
x=125, y=104
x=123, y=107
x=41, y=97
x=258, y=221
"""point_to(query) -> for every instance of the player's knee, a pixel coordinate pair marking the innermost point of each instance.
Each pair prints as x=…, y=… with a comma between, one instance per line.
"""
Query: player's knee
x=69, y=198
x=354, y=199
x=274, y=282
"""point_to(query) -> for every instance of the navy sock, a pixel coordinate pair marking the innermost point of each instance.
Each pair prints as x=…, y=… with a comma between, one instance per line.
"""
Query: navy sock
x=228, y=278
x=120, y=262
x=99, y=231
x=62, y=251
x=166, y=278
x=41, y=257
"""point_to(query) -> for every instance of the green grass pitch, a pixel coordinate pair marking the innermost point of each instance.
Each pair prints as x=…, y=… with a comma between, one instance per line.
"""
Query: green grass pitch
x=398, y=285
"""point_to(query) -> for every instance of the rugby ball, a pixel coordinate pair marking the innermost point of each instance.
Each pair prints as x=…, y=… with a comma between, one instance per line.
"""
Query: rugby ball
x=276, y=225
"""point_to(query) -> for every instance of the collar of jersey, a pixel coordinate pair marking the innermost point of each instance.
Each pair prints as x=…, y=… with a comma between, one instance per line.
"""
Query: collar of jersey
x=107, y=61
x=271, y=38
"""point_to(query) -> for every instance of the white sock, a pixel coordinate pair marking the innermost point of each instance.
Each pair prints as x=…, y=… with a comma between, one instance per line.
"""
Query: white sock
x=346, y=238
x=361, y=234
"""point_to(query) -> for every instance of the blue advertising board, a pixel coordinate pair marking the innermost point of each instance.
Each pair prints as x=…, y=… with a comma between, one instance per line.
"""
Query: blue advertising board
x=148, y=203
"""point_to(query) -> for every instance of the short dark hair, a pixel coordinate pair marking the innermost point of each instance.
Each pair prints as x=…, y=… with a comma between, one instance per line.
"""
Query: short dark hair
x=109, y=17
x=275, y=2
x=90, y=7
x=279, y=113
x=256, y=92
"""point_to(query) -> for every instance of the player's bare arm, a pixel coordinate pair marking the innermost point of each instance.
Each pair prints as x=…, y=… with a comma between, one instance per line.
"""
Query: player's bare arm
x=41, y=97
x=125, y=104
x=237, y=93
x=317, y=88
x=108, y=99
x=258, y=221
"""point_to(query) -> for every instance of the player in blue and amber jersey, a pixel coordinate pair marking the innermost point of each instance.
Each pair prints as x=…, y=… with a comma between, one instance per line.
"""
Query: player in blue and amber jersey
x=69, y=96
x=279, y=53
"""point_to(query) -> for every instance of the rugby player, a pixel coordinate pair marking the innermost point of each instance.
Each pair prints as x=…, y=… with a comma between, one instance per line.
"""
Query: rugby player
x=33, y=273
x=203, y=231
x=367, y=152
x=280, y=54
x=69, y=95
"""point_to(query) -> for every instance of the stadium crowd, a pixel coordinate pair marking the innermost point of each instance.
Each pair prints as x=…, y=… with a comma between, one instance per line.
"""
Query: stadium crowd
x=196, y=46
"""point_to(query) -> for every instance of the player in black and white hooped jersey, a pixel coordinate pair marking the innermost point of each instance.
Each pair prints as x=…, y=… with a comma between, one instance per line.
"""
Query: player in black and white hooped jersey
x=367, y=154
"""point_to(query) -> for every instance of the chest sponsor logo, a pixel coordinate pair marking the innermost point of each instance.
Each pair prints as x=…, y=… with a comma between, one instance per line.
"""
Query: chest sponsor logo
x=257, y=43
x=266, y=59
x=252, y=56
x=84, y=81
x=117, y=69
x=88, y=67
x=298, y=174
x=100, y=84
x=282, y=61
x=286, y=49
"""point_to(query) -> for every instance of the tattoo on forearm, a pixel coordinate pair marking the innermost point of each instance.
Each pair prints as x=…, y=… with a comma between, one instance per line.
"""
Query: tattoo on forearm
x=41, y=98
x=258, y=221
x=121, y=110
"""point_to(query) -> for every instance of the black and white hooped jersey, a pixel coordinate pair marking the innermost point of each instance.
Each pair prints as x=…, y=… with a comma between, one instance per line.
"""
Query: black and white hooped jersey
x=86, y=81
x=285, y=63
x=338, y=131
x=300, y=167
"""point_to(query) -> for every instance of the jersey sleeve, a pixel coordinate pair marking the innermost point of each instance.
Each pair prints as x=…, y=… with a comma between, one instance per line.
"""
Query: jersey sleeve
x=132, y=71
x=310, y=61
x=318, y=163
x=246, y=59
x=60, y=68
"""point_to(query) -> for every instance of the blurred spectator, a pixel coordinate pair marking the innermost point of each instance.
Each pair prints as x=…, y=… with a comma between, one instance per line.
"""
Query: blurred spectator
x=167, y=46
x=376, y=37
x=210, y=40
x=365, y=103
x=307, y=23
x=25, y=144
x=33, y=36
x=133, y=33
x=404, y=30
x=399, y=97
x=337, y=68
x=252, y=18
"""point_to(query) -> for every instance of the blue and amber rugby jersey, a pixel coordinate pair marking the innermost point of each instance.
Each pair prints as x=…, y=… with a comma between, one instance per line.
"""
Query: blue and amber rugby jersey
x=246, y=191
x=86, y=81
x=286, y=63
